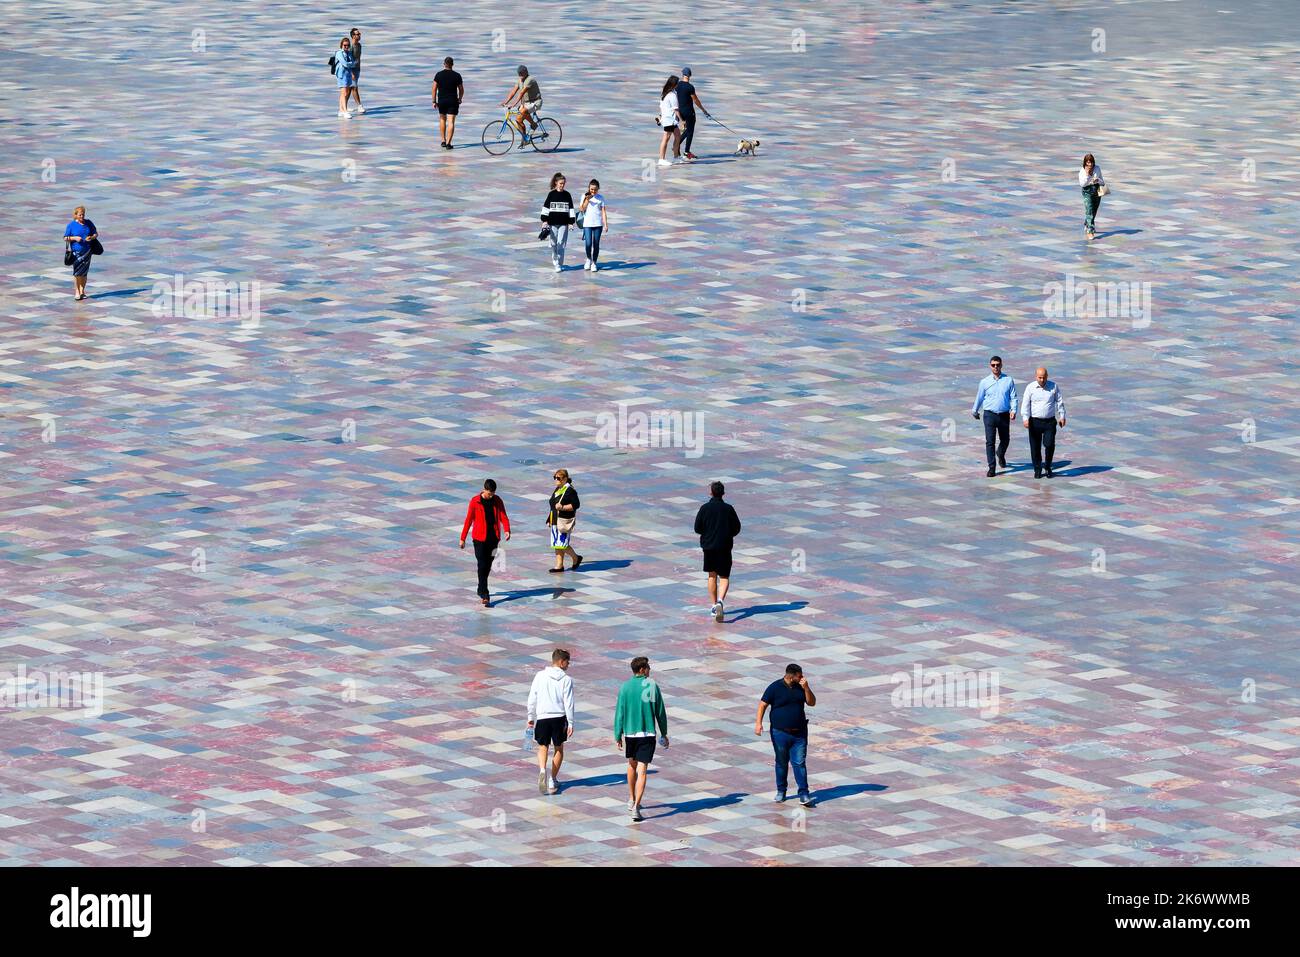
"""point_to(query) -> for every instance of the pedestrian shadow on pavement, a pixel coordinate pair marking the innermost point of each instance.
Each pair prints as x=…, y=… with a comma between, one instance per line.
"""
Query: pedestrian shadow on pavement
x=599, y=781
x=1118, y=232
x=752, y=610
x=118, y=292
x=604, y=565
x=846, y=790
x=605, y=266
x=702, y=804
x=530, y=593
x=381, y=110
x=1081, y=470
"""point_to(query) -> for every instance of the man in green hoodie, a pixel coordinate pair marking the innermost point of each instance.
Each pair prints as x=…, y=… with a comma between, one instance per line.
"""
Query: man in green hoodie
x=640, y=707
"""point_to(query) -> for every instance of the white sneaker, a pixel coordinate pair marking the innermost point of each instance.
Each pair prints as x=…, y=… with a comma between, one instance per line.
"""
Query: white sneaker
x=595, y=267
x=558, y=267
x=664, y=162
x=717, y=612
x=360, y=108
x=631, y=806
x=587, y=264
x=541, y=782
x=345, y=115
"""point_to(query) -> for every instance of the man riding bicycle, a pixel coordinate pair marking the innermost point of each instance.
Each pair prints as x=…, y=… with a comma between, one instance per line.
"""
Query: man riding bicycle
x=529, y=97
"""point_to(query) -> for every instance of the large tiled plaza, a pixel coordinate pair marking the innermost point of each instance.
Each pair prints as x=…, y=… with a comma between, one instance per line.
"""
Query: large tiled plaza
x=247, y=523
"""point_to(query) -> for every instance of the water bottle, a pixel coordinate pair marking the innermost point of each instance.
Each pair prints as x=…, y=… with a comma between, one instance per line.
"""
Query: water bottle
x=530, y=741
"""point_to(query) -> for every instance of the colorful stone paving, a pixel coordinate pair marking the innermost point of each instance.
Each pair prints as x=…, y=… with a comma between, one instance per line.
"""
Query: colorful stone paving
x=245, y=522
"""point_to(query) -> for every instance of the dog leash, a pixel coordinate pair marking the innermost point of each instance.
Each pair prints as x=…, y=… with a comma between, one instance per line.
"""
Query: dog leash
x=723, y=125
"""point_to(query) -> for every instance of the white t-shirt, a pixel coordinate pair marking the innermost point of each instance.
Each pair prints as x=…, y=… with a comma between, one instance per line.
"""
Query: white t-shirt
x=667, y=106
x=1096, y=171
x=594, y=205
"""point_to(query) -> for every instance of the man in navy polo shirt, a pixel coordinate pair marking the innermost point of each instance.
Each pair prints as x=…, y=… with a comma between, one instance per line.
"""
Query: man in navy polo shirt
x=787, y=698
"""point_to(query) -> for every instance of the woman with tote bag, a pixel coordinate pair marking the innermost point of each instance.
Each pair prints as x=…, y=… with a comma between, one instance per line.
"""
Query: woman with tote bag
x=562, y=518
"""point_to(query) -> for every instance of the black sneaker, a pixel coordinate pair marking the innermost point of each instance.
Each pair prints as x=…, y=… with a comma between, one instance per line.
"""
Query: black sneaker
x=1002, y=461
x=1038, y=475
x=1048, y=473
x=992, y=472
x=807, y=801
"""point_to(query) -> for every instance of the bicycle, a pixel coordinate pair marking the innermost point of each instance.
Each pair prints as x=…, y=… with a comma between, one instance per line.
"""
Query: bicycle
x=499, y=135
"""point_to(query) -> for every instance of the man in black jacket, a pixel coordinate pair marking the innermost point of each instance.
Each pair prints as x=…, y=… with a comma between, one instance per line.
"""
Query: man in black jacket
x=717, y=524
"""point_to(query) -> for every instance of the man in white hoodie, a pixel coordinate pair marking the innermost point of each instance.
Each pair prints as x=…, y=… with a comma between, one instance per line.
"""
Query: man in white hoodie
x=550, y=715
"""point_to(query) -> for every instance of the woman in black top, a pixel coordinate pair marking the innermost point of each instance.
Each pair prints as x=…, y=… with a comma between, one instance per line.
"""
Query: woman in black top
x=561, y=518
x=557, y=213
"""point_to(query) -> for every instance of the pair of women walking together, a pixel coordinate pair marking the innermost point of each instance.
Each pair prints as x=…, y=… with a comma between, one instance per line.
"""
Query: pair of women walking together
x=559, y=213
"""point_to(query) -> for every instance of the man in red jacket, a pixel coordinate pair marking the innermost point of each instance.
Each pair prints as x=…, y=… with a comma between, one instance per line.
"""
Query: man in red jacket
x=487, y=518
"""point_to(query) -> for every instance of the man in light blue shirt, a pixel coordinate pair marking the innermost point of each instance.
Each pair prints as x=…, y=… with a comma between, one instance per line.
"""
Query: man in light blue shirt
x=996, y=400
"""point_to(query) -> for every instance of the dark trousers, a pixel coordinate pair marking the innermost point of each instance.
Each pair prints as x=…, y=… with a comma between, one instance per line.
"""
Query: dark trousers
x=483, y=552
x=688, y=130
x=1042, y=443
x=998, y=423
x=1091, y=204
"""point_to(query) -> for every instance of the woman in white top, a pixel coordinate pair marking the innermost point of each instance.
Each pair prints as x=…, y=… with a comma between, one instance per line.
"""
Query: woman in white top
x=669, y=118
x=1090, y=182
x=594, y=222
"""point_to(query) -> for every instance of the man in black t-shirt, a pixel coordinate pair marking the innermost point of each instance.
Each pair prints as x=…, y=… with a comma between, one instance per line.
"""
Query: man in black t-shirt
x=687, y=101
x=448, y=91
x=787, y=698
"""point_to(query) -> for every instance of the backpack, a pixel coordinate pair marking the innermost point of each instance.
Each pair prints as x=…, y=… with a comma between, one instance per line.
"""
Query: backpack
x=333, y=63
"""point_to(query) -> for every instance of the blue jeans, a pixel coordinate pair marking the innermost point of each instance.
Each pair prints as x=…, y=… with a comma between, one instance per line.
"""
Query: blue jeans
x=591, y=240
x=791, y=749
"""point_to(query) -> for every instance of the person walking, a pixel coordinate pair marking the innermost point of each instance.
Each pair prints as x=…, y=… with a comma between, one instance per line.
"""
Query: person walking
x=787, y=697
x=670, y=116
x=529, y=95
x=80, y=239
x=717, y=524
x=557, y=214
x=343, y=64
x=996, y=400
x=1042, y=409
x=639, y=709
x=594, y=223
x=550, y=715
x=561, y=519
x=355, y=37
x=487, y=520
x=1094, y=188
x=448, y=91
x=687, y=101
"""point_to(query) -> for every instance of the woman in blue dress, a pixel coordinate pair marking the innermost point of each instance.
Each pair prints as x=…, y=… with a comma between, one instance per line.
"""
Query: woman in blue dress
x=78, y=240
x=344, y=64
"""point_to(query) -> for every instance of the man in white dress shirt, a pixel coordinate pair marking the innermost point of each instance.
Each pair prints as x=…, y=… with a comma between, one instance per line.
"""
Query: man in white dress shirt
x=1041, y=409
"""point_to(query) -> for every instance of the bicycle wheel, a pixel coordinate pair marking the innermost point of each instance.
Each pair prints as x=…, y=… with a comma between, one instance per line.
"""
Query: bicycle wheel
x=546, y=138
x=498, y=138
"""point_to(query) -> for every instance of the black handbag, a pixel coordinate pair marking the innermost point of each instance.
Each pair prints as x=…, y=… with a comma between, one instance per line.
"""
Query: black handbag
x=96, y=248
x=68, y=258
x=545, y=233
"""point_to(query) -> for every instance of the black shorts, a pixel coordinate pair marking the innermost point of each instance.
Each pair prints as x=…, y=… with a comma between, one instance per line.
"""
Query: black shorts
x=549, y=732
x=641, y=750
x=718, y=560
x=449, y=109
